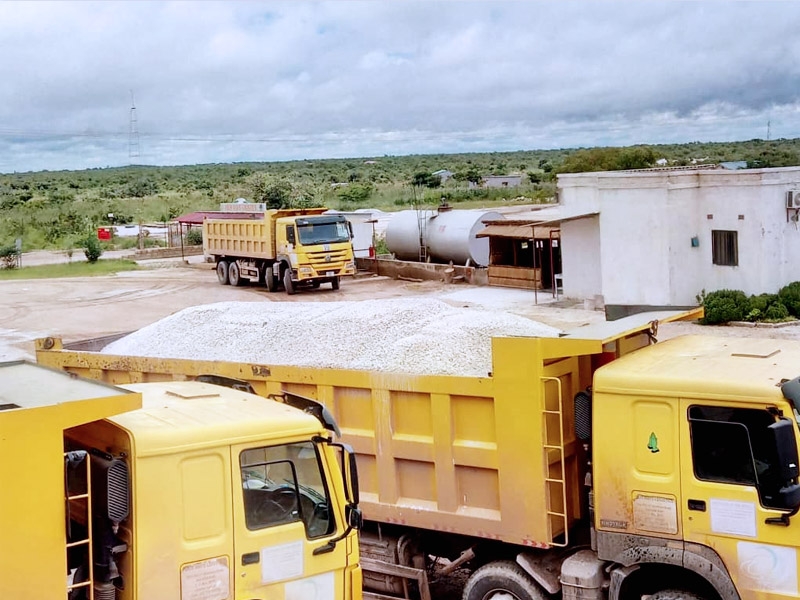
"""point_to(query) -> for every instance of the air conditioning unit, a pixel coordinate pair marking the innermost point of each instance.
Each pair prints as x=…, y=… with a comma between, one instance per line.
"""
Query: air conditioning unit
x=793, y=199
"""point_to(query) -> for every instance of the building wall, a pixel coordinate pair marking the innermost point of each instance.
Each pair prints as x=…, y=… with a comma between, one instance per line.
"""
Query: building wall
x=643, y=235
x=580, y=258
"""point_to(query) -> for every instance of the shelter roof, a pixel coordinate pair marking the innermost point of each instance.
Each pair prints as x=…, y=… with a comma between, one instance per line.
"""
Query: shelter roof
x=518, y=229
x=197, y=218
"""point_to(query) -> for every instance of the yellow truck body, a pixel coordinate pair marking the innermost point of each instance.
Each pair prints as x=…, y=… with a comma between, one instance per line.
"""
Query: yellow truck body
x=598, y=465
x=205, y=515
x=436, y=452
x=286, y=246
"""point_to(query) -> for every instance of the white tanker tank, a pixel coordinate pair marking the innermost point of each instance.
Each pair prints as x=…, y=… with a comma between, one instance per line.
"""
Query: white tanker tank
x=449, y=235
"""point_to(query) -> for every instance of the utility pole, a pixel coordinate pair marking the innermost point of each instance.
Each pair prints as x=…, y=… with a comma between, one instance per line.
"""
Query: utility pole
x=768, y=126
x=133, y=135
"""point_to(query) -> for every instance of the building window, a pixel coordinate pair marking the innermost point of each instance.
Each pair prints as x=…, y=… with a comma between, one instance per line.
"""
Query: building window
x=725, y=248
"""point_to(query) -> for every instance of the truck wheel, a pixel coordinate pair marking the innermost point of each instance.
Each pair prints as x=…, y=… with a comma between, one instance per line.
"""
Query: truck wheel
x=287, y=282
x=675, y=595
x=272, y=281
x=222, y=272
x=502, y=580
x=335, y=283
x=234, y=278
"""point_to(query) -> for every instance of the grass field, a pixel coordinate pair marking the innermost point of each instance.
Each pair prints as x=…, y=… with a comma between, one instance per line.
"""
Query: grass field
x=76, y=269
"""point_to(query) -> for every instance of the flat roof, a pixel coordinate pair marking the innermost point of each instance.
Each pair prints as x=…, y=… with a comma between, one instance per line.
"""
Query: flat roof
x=701, y=366
x=192, y=414
x=25, y=385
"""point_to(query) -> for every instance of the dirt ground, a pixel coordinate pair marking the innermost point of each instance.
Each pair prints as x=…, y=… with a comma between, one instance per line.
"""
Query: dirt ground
x=82, y=308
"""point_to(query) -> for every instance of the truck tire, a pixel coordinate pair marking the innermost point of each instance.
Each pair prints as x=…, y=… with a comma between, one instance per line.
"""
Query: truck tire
x=270, y=279
x=287, y=282
x=675, y=595
x=335, y=283
x=234, y=276
x=502, y=580
x=222, y=272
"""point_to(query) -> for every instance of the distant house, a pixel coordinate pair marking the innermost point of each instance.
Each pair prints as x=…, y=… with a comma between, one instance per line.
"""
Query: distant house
x=499, y=181
x=443, y=174
x=733, y=165
x=661, y=162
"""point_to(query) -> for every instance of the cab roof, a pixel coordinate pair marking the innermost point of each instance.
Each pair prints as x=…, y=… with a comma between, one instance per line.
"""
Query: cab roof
x=182, y=415
x=705, y=366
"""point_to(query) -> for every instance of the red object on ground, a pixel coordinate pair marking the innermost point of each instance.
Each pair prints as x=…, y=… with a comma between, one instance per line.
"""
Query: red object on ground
x=103, y=233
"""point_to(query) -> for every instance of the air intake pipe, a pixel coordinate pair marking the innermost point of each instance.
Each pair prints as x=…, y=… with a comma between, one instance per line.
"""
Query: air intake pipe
x=110, y=506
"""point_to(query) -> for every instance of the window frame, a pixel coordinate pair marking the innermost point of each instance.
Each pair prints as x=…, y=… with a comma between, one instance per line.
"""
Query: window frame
x=725, y=247
x=760, y=480
x=301, y=517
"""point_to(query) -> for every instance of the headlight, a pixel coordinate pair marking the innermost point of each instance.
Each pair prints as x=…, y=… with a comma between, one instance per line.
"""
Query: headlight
x=350, y=265
x=306, y=271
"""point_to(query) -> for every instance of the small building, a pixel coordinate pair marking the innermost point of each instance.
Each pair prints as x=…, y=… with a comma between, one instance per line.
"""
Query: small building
x=498, y=181
x=658, y=238
x=523, y=254
x=443, y=174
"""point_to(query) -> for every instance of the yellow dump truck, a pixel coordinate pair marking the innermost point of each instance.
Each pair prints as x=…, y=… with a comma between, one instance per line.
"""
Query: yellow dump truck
x=595, y=465
x=288, y=247
x=180, y=490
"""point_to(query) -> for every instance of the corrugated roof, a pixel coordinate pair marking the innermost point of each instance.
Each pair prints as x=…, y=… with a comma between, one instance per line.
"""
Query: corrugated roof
x=517, y=229
x=197, y=218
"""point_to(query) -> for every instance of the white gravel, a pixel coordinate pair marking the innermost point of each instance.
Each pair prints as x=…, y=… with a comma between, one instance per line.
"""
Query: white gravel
x=405, y=335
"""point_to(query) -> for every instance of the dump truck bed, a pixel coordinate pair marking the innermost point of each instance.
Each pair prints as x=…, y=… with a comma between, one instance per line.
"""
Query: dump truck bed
x=491, y=457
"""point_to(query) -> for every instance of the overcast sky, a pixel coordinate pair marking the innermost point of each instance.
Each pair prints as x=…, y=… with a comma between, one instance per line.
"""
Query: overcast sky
x=262, y=81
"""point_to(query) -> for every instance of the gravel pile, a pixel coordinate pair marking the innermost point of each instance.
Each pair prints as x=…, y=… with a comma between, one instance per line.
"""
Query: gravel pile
x=408, y=335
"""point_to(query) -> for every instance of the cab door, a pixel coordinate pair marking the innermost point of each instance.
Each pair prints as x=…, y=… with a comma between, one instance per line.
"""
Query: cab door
x=729, y=501
x=284, y=511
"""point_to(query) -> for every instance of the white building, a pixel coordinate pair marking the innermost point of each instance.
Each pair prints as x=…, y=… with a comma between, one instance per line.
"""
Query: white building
x=659, y=237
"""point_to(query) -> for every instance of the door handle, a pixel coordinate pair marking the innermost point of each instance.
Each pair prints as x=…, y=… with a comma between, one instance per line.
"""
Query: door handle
x=250, y=558
x=699, y=505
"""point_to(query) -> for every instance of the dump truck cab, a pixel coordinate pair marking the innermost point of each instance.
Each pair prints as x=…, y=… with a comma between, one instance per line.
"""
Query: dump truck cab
x=283, y=247
x=203, y=492
x=695, y=459
x=315, y=247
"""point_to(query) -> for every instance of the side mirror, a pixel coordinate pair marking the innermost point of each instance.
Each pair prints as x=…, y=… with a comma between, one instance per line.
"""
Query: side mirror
x=782, y=433
x=354, y=517
x=352, y=476
x=786, y=467
x=290, y=234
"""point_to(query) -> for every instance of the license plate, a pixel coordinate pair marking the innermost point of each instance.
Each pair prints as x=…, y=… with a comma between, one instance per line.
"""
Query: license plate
x=330, y=273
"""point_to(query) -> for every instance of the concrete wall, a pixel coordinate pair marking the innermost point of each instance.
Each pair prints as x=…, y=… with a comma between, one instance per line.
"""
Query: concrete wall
x=580, y=259
x=642, y=238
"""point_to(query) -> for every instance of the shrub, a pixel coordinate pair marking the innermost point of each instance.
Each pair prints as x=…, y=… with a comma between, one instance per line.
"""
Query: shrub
x=194, y=237
x=790, y=297
x=92, y=249
x=757, y=306
x=8, y=257
x=777, y=311
x=722, y=306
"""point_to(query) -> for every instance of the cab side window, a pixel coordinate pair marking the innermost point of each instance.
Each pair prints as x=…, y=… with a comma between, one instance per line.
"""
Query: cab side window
x=285, y=484
x=290, y=234
x=732, y=445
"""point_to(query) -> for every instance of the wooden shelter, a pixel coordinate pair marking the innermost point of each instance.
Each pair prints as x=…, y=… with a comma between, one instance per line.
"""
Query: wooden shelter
x=523, y=254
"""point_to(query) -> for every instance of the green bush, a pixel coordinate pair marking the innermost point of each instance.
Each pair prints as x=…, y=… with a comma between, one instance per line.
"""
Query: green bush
x=777, y=312
x=790, y=297
x=723, y=306
x=194, y=237
x=8, y=257
x=757, y=306
x=92, y=249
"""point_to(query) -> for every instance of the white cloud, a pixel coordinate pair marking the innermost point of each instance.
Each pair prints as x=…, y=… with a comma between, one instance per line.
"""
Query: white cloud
x=279, y=80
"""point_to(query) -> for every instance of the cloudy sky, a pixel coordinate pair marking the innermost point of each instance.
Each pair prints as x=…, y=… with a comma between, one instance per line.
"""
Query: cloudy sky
x=253, y=81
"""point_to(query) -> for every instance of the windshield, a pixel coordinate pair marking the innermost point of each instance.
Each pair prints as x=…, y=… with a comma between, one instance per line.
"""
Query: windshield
x=324, y=231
